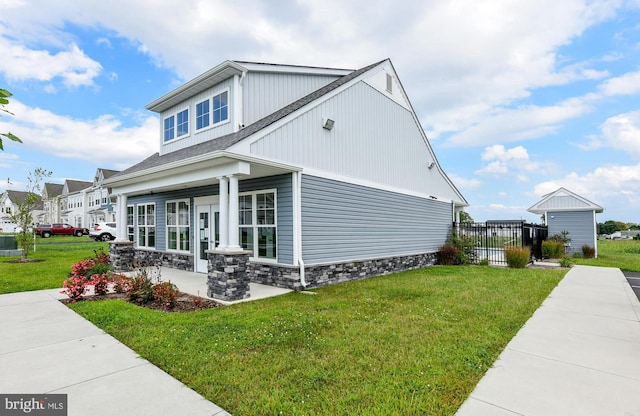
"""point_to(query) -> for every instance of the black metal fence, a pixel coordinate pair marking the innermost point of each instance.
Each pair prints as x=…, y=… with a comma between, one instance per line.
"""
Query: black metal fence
x=491, y=238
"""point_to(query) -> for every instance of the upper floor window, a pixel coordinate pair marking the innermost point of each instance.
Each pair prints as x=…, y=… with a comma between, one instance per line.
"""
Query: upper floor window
x=202, y=115
x=169, y=128
x=183, y=123
x=220, y=107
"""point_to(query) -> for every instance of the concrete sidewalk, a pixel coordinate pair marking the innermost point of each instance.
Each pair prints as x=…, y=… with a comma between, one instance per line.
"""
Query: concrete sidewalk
x=579, y=354
x=47, y=348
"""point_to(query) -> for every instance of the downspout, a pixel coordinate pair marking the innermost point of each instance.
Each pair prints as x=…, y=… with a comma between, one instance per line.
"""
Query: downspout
x=238, y=102
x=297, y=224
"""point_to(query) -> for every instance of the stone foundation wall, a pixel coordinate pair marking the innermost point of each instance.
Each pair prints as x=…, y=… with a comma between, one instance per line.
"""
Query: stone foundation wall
x=328, y=274
x=227, y=278
x=180, y=261
x=121, y=256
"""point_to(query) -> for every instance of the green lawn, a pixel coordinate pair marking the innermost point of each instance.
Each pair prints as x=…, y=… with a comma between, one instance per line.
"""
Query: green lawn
x=624, y=254
x=415, y=342
x=57, y=253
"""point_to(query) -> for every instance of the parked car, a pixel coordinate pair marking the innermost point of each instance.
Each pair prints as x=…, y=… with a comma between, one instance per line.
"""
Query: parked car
x=47, y=230
x=103, y=231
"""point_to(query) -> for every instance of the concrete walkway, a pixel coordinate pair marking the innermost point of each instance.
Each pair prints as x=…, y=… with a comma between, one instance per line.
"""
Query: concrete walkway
x=46, y=348
x=579, y=354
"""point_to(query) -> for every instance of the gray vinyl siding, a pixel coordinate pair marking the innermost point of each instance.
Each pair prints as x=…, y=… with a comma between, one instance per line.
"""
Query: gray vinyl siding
x=580, y=224
x=342, y=222
x=281, y=183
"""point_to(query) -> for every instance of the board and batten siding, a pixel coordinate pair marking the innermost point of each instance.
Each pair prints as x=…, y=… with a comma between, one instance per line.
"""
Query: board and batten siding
x=265, y=93
x=202, y=135
x=580, y=224
x=282, y=184
x=344, y=222
x=374, y=139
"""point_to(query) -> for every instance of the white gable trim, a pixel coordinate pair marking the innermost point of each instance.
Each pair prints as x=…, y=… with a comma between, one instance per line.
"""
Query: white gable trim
x=582, y=204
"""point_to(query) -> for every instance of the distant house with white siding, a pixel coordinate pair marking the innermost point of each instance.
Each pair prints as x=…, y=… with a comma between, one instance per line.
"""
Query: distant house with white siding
x=319, y=175
x=73, y=204
x=566, y=211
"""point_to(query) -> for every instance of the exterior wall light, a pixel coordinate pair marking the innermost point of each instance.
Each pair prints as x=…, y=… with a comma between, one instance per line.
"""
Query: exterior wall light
x=327, y=123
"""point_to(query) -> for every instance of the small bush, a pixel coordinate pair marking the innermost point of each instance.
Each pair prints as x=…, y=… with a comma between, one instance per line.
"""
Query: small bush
x=121, y=283
x=448, y=255
x=140, y=289
x=100, y=283
x=552, y=249
x=517, y=257
x=588, y=252
x=484, y=262
x=566, y=262
x=166, y=293
x=74, y=287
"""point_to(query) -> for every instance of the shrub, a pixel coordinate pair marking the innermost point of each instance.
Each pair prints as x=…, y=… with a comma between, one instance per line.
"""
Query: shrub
x=74, y=287
x=448, y=255
x=83, y=268
x=466, y=248
x=166, y=293
x=552, y=249
x=484, y=262
x=588, y=252
x=140, y=289
x=517, y=257
x=566, y=262
x=100, y=283
x=121, y=283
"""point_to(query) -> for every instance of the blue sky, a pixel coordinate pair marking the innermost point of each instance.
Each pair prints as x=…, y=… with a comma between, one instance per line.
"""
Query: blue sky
x=517, y=98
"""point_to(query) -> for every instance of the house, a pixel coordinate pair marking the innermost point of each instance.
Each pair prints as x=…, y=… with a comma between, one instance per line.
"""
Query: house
x=9, y=201
x=51, y=197
x=285, y=175
x=564, y=210
x=99, y=203
x=73, y=201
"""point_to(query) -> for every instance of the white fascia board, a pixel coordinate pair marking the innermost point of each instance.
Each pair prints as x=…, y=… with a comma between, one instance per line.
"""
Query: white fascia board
x=293, y=69
x=173, y=179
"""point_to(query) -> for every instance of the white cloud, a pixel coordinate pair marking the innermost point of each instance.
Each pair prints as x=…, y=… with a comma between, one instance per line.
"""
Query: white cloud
x=104, y=137
x=499, y=152
x=614, y=187
x=627, y=84
x=621, y=132
x=465, y=183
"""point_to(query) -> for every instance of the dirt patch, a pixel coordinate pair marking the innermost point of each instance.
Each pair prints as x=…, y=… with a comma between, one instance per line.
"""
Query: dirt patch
x=184, y=303
x=25, y=260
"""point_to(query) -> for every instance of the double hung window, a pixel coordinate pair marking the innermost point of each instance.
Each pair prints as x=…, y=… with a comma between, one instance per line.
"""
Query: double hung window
x=176, y=125
x=146, y=225
x=257, y=221
x=178, y=235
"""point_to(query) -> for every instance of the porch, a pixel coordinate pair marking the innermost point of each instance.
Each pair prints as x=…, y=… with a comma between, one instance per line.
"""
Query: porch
x=196, y=284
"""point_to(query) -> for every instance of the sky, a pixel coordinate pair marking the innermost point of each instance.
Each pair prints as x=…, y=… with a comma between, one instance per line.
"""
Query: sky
x=517, y=98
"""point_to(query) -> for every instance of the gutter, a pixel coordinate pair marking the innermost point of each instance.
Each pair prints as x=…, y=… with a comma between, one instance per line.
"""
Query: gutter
x=297, y=224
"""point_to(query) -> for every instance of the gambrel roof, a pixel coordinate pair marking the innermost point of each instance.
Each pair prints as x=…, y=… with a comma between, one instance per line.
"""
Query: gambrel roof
x=564, y=200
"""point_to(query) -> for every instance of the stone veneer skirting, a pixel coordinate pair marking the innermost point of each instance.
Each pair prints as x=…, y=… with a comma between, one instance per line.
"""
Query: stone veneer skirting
x=328, y=274
x=125, y=257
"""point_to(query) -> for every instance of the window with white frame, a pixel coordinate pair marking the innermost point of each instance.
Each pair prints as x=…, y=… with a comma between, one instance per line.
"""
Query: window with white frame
x=146, y=225
x=130, y=223
x=169, y=128
x=221, y=107
x=182, y=123
x=178, y=235
x=202, y=115
x=257, y=222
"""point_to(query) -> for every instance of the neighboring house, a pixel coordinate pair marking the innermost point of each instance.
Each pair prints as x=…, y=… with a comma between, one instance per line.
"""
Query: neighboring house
x=566, y=211
x=100, y=206
x=9, y=201
x=321, y=175
x=73, y=202
x=51, y=198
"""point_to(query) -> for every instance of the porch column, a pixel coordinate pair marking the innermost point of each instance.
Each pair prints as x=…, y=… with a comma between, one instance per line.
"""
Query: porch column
x=224, y=213
x=121, y=222
x=233, y=214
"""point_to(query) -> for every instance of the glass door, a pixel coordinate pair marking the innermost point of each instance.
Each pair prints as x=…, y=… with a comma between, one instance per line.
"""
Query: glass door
x=208, y=217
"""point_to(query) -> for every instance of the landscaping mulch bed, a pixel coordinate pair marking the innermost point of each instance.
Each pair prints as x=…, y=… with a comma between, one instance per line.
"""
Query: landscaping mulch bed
x=184, y=303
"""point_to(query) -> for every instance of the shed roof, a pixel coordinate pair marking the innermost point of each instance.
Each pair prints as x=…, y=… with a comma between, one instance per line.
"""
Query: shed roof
x=564, y=200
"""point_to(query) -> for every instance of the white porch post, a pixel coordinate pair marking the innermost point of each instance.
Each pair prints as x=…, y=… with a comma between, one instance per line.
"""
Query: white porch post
x=224, y=213
x=121, y=227
x=233, y=214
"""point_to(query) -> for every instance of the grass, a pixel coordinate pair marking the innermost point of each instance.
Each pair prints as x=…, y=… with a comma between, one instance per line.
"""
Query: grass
x=415, y=342
x=57, y=253
x=623, y=254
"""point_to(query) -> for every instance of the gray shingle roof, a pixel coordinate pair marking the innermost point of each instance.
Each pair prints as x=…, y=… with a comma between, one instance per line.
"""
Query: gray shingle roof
x=75, y=186
x=224, y=142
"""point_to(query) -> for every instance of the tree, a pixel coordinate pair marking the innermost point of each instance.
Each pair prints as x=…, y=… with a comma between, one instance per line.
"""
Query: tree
x=608, y=227
x=22, y=216
x=4, y=100
x=465, y=217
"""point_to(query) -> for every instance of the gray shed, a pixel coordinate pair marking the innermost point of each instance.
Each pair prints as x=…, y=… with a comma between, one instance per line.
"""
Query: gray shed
x=566, y=211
